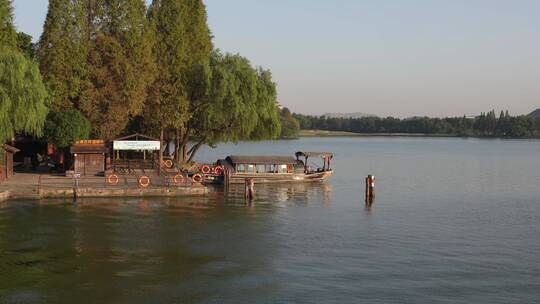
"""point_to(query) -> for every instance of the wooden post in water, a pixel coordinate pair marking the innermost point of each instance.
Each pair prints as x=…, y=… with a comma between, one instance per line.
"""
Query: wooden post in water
x=370, y=189
x=250, y=191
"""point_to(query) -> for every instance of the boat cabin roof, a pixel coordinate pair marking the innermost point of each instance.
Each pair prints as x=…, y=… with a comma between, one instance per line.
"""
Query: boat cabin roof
x=314, y=154
x=261, y=159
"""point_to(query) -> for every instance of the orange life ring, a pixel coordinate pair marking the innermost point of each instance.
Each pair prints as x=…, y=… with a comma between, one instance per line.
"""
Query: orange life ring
x=197, y=178
x=206, y=169
x=178, y=179
x=113, y=179
x=218, y=170
x=168, y=163
x=144, y=181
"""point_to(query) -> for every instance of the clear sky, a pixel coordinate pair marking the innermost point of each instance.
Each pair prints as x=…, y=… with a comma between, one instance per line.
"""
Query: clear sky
x=393, y=57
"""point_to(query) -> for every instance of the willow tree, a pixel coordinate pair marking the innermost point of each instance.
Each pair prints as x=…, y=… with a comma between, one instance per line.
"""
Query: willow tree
x=239, y=104
x=120, y=64
x=182, y=51
x=8, y=35
x=22, y=95
x=63, y=51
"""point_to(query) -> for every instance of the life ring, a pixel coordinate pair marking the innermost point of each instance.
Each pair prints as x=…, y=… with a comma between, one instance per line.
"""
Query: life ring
x=178, y=179
x=197, y=178
x=168, y=163
x=113, y=179
x=218, y=170
x=144, y=181
x=206, y=169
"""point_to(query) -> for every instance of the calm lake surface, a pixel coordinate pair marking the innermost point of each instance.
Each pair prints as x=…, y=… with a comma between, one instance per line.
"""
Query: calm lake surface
x=454, y=221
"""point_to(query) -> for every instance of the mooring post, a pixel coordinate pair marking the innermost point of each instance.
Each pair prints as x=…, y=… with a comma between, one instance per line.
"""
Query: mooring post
x=250, y=188
x=76, y=177
x=370, y=188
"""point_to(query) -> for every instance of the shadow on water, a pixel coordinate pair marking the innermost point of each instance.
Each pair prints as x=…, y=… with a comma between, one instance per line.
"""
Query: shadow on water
x=139, y=250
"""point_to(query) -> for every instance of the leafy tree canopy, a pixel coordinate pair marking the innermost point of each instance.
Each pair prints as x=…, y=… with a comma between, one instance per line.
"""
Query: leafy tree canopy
x=240, y=103
x=8, y=35
x=289, y=125
x=62, y=52
x=22, y=95
x=65, y=127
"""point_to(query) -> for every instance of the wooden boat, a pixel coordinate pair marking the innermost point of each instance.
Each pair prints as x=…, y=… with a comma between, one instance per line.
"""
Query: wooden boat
x=275, y=169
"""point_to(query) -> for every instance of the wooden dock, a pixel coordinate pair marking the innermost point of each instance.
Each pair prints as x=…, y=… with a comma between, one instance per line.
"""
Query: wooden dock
x=29, y=186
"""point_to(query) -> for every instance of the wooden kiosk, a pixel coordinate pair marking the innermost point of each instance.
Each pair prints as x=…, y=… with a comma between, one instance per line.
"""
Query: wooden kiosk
x=135, y=152
x=89, y=157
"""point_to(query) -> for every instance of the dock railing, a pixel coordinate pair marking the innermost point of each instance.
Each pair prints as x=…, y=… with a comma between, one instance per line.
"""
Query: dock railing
x=101, y=182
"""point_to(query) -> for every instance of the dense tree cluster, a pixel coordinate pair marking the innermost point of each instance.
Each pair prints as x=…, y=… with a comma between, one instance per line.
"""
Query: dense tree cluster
x=120, y=66
x=486, y=124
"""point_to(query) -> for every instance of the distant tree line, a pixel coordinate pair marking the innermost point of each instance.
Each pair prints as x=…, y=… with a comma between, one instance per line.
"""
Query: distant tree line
x=105, y=68
x=485, y=125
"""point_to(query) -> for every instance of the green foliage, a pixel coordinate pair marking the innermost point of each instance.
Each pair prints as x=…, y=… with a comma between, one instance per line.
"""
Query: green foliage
x=65, y=127
x=121, y=64
x=8, y=35
x=62, y=52
x=22, y=95
x=96, y=56
x=486, y=124
x=25, y=45
x=182, y=51
x=289, y=125
x=240, y=103
x=268, y=124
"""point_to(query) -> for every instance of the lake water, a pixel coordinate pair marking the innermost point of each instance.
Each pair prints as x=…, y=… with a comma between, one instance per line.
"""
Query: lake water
x=454, y=221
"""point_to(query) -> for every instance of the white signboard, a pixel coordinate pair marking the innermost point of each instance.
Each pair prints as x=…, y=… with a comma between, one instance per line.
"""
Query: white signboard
x=136, y=145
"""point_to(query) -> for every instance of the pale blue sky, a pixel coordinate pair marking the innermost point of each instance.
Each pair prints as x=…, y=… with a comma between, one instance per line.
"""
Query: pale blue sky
x=393, y=57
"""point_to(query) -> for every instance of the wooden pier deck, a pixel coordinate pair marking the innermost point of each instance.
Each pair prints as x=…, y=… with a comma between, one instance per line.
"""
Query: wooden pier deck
x=33, y=186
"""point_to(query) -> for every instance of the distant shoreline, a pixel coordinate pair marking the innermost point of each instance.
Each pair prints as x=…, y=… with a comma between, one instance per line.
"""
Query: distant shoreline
x=324, y=133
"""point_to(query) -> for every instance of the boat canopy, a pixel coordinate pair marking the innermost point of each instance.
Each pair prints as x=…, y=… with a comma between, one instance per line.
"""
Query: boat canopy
x=313, y=154
x=261, y=160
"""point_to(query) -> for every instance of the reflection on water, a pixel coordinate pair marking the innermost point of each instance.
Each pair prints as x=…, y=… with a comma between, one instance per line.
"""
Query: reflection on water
x=446, y=226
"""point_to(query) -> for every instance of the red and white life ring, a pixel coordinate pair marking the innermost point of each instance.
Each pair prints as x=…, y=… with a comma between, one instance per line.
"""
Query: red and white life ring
x=206, y=169
x=178, y=179
x=113, y=179
x=218, y=170
x=197, y=178
x=144, y=181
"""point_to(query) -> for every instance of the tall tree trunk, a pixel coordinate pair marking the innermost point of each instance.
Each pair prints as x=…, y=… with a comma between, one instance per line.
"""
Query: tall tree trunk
x=177, y=156
x=183, y=144
x=195, y=148
x=185, y=152
x=160, y=150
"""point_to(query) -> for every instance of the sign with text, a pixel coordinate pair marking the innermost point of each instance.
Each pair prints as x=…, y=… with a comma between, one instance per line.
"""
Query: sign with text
x=135, y=145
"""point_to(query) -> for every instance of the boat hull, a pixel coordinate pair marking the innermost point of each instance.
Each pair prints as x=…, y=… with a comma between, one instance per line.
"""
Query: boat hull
x=280, y=178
